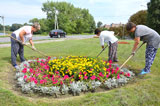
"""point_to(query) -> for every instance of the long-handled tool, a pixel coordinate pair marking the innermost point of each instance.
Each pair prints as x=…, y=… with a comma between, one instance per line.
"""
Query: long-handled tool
x=29, y=46
x=102, y=50
x=131, y=56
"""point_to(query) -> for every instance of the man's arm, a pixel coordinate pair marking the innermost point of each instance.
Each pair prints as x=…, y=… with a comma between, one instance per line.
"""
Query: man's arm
x=136, y=42
x=32, y=44
x=21, y=35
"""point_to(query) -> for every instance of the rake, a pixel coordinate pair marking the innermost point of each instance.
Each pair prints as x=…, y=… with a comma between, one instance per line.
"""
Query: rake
x=29, y=47
x=131, y=55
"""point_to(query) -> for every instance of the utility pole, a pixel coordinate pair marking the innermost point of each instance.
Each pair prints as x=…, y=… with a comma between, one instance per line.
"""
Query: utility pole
x=56, y=21
x=3, y=24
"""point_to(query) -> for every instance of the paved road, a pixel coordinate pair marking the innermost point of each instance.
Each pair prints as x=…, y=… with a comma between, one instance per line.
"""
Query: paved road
x=44, y=39
x=7, y=39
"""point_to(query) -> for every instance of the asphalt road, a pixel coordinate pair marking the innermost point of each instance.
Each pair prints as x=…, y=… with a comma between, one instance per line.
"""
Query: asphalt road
x=35, y=37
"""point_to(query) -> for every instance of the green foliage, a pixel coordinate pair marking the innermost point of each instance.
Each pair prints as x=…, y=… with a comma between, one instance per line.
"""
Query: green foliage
x=139, y=18
x=15, y=27
x=120, y=31
x=70, y=19
x=44, y=25
x=99, y=24
x=153, y=18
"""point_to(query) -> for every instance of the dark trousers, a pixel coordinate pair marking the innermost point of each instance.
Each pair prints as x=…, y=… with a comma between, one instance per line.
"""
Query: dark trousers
x=112, y=54
x=16, y=47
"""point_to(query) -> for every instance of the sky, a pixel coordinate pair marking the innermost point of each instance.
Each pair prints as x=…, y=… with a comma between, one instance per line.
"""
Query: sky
x=106, y=11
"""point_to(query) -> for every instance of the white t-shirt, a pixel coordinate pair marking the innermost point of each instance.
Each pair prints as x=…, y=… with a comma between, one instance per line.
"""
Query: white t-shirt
x=28, y=35
x=107, y=36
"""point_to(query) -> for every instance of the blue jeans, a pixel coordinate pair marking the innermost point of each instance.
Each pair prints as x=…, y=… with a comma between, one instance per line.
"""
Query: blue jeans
x=150, y=55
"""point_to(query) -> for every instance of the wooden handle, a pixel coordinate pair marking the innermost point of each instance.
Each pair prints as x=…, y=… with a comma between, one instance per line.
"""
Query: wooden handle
x=29, y=46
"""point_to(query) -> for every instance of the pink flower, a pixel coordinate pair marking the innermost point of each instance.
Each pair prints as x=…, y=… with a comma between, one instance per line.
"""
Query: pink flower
x=118, y=76
x=31, y=70
x=49, y=57
x=35, y=81
x=100, y=74
x=37, y=74
x=24, y=70
x=66, y=77
x=41, y=64
x=45, y=80
x=44, y=76
x=121, y=72
x=61, y=82
x=55, y=82
x=56, y=72
x=108, y=69
x=80, y=73
x=46, y=67
x=93, y=77
x=85, y=77
x=107, y=75
x=117, y=68
x=41, y=81
x=85, y=73
x=128, y=74
x=25, y=76
x=98, y=78
x=110, y=61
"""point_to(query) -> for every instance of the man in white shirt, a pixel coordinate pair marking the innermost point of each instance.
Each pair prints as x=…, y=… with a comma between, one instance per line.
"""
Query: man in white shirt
x=111, y=40
x=23, y=34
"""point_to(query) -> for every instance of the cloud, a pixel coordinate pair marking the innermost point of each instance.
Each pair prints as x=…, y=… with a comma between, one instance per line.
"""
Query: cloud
x=20, y=11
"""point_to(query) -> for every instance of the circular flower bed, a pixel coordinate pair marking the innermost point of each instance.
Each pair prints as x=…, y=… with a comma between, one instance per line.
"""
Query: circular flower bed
x=72, y=74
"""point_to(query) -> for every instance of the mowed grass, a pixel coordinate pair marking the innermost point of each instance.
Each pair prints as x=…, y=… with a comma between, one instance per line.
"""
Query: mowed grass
x=143, y=91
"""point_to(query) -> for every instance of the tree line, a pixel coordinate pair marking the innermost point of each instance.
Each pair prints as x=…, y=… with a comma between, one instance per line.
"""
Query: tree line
x=77, y=21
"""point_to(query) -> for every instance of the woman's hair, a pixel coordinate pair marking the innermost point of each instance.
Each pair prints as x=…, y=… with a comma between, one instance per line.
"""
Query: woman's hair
x=36, y=25
x=130, y=25
x=97, y=31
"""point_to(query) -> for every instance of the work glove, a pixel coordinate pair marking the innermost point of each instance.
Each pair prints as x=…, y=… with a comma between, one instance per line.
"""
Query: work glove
x=33, y=48
x=133, y=53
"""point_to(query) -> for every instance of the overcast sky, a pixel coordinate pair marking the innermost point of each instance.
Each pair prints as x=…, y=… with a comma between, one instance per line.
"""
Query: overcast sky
x=106, y=11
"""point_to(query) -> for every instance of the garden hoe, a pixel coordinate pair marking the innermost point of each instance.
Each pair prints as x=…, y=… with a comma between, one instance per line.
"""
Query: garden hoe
x=102, y=50
x=131, y=56
x=29, y=47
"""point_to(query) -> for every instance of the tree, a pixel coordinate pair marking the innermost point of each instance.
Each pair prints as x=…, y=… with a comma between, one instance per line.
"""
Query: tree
x=99, y=24
x=139, y=18
x=43, y=23
x=153, y=18
x=15, y=27
x=70, y=19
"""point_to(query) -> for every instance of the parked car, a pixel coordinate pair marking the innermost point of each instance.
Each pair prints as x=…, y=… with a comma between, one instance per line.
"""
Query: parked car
x=57, y=33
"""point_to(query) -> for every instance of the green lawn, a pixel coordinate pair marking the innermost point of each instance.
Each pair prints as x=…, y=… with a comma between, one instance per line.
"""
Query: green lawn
x=143, y=91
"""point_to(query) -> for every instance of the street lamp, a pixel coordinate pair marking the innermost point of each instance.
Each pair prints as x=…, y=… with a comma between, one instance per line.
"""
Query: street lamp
x=3, y=24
